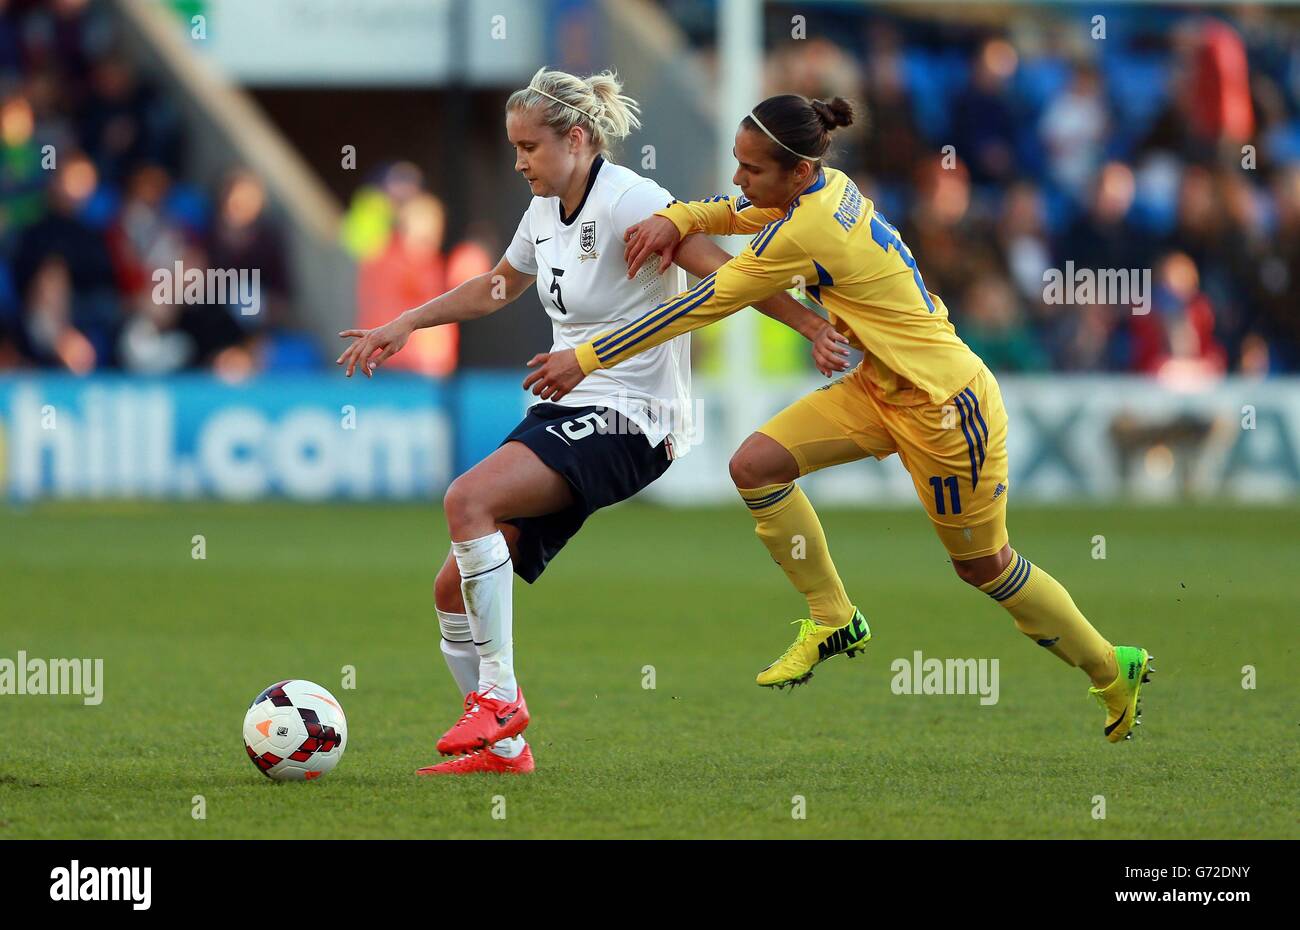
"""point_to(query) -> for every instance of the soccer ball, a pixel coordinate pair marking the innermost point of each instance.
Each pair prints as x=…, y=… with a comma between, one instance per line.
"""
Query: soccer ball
x=295, y=731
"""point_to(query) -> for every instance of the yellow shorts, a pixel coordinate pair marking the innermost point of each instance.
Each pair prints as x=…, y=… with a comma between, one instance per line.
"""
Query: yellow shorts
x=956, y=452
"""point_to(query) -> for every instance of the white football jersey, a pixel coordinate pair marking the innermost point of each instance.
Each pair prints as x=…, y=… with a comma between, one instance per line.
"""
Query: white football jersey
x=583, y=284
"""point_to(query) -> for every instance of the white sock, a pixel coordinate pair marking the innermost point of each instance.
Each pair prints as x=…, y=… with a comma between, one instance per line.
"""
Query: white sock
x=458, y=649
x=509, y=748
x=487, y=587
x=462, y=659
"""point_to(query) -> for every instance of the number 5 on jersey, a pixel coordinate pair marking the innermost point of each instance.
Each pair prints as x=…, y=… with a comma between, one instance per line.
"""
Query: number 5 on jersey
x=555, y=290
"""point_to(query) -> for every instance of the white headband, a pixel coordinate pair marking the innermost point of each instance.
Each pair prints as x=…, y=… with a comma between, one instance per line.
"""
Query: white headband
x=558, y=100
x=760, y=125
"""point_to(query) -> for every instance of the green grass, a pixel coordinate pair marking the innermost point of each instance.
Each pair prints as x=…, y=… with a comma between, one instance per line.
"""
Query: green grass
x=297, y=591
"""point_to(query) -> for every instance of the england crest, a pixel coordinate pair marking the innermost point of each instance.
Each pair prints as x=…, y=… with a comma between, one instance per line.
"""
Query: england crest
x=587, y=239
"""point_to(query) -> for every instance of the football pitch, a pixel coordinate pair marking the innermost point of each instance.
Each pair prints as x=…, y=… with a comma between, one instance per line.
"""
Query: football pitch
x=637, y=652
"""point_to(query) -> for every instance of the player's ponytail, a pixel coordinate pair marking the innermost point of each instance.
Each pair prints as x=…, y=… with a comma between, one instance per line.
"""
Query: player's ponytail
x=617, y=113
x=595, y=103
x=800, y=129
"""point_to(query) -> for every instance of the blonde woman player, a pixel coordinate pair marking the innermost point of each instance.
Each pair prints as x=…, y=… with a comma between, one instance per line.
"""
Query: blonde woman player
x=515, y=510
x=920, y=392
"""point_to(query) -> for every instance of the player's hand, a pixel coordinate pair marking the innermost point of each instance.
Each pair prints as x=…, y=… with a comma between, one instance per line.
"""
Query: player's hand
x=559, y=374
x=387, y=340
x=655, y=235
x=830, y=351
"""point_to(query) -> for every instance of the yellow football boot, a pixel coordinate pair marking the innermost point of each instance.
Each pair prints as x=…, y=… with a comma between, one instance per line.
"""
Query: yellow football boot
x=814, y=644
x=1120, y=697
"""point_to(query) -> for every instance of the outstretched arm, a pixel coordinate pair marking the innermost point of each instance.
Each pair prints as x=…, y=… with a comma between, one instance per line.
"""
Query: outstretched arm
x=700, y=256
x=739, y=282
x=718, y=216
x=663, y=232
x=743, y=280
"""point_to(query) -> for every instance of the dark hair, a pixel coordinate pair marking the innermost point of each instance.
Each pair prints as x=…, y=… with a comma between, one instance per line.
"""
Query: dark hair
x=802, y=125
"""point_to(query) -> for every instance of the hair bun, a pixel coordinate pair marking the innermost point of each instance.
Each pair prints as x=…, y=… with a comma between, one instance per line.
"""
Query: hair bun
x=834, y=113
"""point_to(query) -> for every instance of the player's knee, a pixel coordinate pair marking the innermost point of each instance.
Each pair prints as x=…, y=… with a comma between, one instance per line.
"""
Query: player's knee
x=462, y=506
x=981, y=571
x=750, y=468
x=969, y=573
x=740, y=468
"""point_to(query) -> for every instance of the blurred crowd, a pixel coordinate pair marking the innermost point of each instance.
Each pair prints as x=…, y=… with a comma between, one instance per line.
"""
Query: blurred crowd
x=94, y=203
x=1171, y=145
x=99, y=221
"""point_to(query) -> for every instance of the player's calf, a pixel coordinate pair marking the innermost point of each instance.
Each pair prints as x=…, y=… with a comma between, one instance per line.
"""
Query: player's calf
x=446, y=588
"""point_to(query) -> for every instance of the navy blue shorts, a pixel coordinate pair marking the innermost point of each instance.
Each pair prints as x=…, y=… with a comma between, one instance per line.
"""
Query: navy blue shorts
x=604, y=464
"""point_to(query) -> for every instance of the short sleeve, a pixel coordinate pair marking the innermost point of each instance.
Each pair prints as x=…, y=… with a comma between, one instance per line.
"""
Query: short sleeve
x=522, y=252
x=637, y=203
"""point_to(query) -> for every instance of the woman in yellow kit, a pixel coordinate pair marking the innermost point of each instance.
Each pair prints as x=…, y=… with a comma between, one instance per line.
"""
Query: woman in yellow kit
x=919, y=392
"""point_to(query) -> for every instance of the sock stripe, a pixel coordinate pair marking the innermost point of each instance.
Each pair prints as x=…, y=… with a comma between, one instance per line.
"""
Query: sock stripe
x=1011, y=577
x=453, y=627
x=1014, y=583
x=762, y=497
x=1011, y=583
x=767, y=500
x=1029, y=567
x=486, y=571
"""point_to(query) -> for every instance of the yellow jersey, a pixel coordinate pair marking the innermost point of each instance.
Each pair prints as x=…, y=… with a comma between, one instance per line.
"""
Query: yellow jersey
x=832, y=244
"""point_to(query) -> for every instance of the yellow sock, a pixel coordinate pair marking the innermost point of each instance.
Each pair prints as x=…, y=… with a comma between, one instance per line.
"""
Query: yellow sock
x=788, y=526
x=1045, y=612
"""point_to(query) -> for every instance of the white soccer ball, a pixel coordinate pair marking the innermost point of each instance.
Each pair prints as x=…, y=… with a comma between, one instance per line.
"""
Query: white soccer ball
x=295, y=731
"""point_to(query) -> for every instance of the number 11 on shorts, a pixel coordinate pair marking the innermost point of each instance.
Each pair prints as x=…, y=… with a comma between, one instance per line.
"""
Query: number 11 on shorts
x=937, y=483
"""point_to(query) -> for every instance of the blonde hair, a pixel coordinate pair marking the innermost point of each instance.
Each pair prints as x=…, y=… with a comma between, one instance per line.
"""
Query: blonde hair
x=594, y=103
